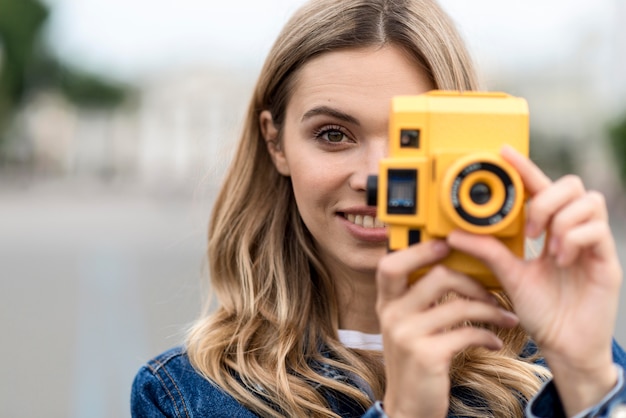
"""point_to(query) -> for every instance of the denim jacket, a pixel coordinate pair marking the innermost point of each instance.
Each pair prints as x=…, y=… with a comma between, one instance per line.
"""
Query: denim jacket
x=168, y=386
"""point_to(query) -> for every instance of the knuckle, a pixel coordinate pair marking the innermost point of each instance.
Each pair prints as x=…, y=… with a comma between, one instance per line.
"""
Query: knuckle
x=439, y=272
x=575, y=182
x=388, y=315
x=558, y=225
x=596, y=195
x=603, y=228
x=538, y=208
x=597, y=199
x=388, y=268
x=402, y=336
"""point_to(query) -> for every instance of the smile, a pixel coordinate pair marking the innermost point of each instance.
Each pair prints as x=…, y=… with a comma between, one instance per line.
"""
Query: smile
x=364, y=221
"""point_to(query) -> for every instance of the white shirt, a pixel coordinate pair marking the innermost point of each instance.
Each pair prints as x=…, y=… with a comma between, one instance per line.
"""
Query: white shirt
x=361, y=340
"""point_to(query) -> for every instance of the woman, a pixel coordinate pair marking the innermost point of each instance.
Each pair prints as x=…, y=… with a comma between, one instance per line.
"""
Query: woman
x=315, y=319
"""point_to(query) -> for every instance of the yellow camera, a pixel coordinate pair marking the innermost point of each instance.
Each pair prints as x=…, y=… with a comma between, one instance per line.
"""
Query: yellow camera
x=444, y=172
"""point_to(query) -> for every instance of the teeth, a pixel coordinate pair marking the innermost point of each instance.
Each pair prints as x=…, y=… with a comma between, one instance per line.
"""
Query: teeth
x=365, y=221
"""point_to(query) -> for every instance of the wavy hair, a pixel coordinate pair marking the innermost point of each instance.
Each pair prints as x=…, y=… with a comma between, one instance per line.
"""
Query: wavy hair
x=276, y=324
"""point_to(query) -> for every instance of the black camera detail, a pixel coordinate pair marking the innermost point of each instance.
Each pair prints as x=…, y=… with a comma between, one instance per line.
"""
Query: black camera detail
x=372, y=190
x=409, y=138
x=401, y=192
x=415, y=236
x=481, y=193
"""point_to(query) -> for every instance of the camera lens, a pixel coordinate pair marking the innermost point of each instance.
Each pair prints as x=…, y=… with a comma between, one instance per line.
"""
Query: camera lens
x=480, y=193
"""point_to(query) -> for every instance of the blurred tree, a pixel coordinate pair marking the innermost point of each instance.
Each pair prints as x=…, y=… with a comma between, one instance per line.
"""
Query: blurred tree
x=20, y=23
x=617, y=142
x=26, y=66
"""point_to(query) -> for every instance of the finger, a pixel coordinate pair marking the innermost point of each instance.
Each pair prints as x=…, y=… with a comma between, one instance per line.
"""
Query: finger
x=394, y=269
x=430, y=290
x=463, y=338
x=594, y=236
x=449, y=315
x=439, y=282
x=550, y=201
x=589, y=207
x=498, y=258
x=435, y=349
x=533, y=178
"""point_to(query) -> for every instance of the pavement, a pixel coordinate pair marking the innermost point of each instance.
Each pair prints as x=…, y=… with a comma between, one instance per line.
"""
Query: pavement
x=96, y=278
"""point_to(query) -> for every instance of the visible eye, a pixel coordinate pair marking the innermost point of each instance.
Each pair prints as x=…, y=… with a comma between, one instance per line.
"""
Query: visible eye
x=331, y=135
x=334, y=136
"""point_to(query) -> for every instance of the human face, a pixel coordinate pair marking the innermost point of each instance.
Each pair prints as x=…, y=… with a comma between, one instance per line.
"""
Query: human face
x=334, y=134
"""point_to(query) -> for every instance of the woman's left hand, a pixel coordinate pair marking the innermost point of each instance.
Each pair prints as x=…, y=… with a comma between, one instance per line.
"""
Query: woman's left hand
x=567, y=298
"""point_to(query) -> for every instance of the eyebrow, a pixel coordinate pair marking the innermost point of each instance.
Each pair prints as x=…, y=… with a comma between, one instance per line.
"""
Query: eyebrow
x=329, y=111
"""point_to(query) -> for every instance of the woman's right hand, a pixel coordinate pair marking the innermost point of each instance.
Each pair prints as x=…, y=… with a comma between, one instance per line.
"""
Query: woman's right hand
x=421, y=336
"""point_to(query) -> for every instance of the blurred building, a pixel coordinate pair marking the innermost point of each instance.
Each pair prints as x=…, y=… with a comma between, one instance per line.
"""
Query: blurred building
x=181, y=127
x=183, y=124
x=188, y=124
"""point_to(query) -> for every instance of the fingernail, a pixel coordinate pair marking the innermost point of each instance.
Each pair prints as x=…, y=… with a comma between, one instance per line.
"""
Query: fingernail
x=493, y=300
x=510, y=315
x=440, y=247
x=496, y=345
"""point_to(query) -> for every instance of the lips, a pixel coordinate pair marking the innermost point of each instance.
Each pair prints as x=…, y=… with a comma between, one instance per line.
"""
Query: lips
x=361, y=222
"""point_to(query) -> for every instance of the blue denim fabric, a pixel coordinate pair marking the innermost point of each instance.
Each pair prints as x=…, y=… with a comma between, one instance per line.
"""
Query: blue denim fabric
x=168, y=386
x=548, y=405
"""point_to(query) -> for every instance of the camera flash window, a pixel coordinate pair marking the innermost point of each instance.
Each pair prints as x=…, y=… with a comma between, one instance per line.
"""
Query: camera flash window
x=409, y=138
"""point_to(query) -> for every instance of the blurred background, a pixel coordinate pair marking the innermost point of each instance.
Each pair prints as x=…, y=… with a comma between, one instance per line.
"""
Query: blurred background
x=117, y=119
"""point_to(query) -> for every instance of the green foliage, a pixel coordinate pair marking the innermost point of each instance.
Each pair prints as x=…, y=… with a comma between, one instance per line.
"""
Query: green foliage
x=617, y=143
x=20, y=25
x=27, y=67
x=89, y=90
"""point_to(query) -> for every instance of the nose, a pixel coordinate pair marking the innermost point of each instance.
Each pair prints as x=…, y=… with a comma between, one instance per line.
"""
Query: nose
x=372, y=152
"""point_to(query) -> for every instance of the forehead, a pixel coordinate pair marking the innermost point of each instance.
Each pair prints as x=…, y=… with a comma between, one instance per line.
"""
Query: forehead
x=354, y=77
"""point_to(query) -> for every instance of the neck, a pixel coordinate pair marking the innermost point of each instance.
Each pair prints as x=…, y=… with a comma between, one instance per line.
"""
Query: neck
x=357, y=301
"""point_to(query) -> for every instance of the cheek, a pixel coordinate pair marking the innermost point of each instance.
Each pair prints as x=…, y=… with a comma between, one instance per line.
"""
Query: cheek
x=317, y=183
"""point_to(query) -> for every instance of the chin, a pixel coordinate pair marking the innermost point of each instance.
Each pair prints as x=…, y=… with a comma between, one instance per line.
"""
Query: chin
x=368, y=263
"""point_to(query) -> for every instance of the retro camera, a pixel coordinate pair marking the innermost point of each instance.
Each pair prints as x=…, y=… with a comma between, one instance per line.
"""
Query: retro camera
x=444, y=172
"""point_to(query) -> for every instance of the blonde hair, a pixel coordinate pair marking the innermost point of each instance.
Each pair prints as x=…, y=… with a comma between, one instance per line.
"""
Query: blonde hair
x=276, y=325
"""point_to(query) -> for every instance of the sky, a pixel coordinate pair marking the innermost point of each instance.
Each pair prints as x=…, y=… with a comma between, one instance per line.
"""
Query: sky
x=130, y=39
